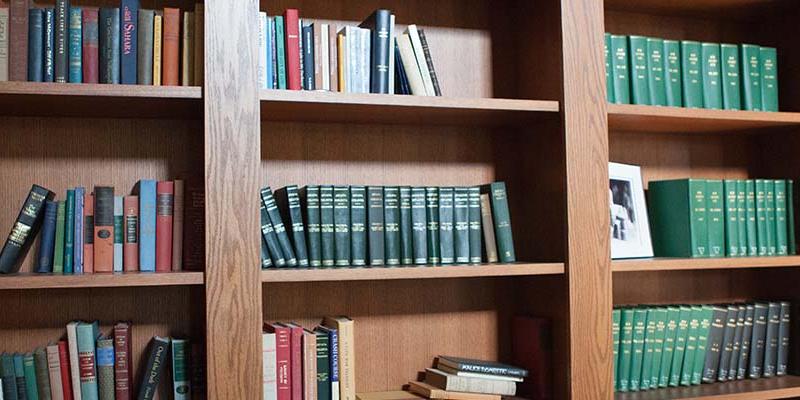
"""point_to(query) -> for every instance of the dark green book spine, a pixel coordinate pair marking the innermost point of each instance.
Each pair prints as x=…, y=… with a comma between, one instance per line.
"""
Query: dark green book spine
x=609, y=69
x=314, y=231
x=298, y=227
x=446, y=234
x=737, y=342
x=712, y=79
x=741, y=218
x=625, y=349
x=758, y=340
x=649, y=345
x=432, y=212
x=781, y=235
x=69, y=232
x=475, y=245
x=58, y=251
x=461, y=224
x=668, y=353
x=358, y=225
x=790, y=217
x=637, y=351
x=616, y=315
x=672, y=69
x=731, y=87
x=268, y=233
x=751, y=77
x=278, y=226
x=326, y=225
x=747, y=335
x=266, y=260
x=699, y=217
x=687, y=367
x=640, y=93
x=341, y=225
x=502, y=221
x=714, y=345
x=731, y=219
x=783, y=339
x=681, y=335
x=406, y=240
x=752, y=218
x=692, y=74
x=419, y=222
x=769, y=204
x=771, y=343
x=727, y=343
x=323, y=366
x=655, y=69
x=375, y=219
x=761, y=217
x=769, y=78
x=619, y=63
x=715, y=209
x=706, y=313
x=658, y=345
x=391, y=223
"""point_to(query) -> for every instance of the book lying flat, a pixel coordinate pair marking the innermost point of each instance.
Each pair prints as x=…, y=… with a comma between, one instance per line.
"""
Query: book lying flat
x=432, y=392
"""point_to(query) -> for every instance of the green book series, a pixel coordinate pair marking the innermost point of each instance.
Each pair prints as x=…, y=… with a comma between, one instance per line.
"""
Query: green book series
x=649, y=346
x=692, y=74
x=432, y=213
x=625, y=349
x=752, y=217
x=377, y=251
x=687, y=367
x=658, y=345
x=769, y=204
x=714, y=344
x=420, y=226
x=475, y=232
x=640, y=93
x=781, y=234
x=358, y=225
x=731, y=219
x=731, y=87
x=406, y=245
x=446, y=234
x=341, y=226
x=616, y=315
x=326, y=225
x=751, y=77
x=609, y=68
x=741, y=210
x=314, y=230
x=790, y=216
x=391, y=224
x=668, y=353
x=681, y=337
x=678, y=218
x=672, y=69
x=637, y=351
x=761, y=217
x=712, y=80
x=715, y=209
x=655, y=69
x=461, y=224
x=769, y=78
x=619, y=64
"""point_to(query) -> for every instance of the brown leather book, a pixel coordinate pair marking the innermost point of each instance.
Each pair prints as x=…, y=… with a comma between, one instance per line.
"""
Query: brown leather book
x=18, y=40
x=130, y=243
x=170, y=45
x=103, y=229
x=122, y=361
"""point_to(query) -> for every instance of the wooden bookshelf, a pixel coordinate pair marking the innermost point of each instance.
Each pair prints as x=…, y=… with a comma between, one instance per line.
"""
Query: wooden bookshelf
x=116, y=280
x=784, y=387
x=628, y=117
x=674, y=264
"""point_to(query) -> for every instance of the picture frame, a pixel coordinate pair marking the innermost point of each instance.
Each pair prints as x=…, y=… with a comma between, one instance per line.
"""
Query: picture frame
x=629, y=225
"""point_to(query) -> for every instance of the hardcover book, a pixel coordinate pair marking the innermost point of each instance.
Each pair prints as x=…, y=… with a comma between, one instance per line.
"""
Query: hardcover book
x=54, y=371
x=768, y=58
x=677, y=210
x=619, y=64
x=293, y=77
x=691, y=68
x=640, y=93
x=714, y=345
x=181, y=386
x=672, y=71
x=406, y=250
x=88, y=234
x=105, y=367
x=119, y=233
x=731, y=87
x=170, y=44
x=122, y=361
x=461, y=225
x=358, y=225
x=91, y=45
x=375, y=219
x=49, y=46
x=341, y=225
x=758, y=341
x=391, y=223
x=129, y=21
x=146, y=190
x=379, y=24
x=165, y=196
x=446, y=225
x=61, y=40
x=109, y=45
x=419, y=226
x=295, y=218
x=283, y=359
x=625, y=349
x=269, y=365
x=130, y=251
x=86, y=335
x=501, y=217
x=144, y=47
x=154, y=368
x=783, y=339
x=77, y=254
x=35, y=44
x=58, y=251
x=310, y=196
x=609, y=69
x=18, y=39
x=712, y=81
x=271, y=239
x=655, y=70
x=346, y=352
x=75, y=45
x=278, y=226
x=104, y=229
x=715, y=216
x=771, y=343
x=48, y=237
x=751, y=77
x=747, y=334
x=24, y=230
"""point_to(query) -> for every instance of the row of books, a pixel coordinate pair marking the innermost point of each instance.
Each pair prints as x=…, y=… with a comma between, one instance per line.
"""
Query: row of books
x=318, y=363
x=716, y=218
x=100, y=232
x=89, y=365
x=302, y=54
x=340, y=226
x=660, y=72
x=468, y=379
x=683, y=345
x=122, y=44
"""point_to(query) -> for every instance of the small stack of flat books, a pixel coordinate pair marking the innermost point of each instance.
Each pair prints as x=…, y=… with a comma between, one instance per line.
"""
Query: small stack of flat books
x=467, y=379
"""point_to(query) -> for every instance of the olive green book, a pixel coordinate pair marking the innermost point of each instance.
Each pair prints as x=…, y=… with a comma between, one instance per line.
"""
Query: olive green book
x=655, y=70
x=769, y=78
x=406, y=252
x=58, y=253
x=731, y=219
x=769, y=204
x=609, y=69
x=752, y=217
x=637, y=350
x=751, y=77
x=625, y=349
x=731, y=87
x=781, y=234
x=790, y=216
x=712, y=80
x=341, y=226
x=420, y=226
x=391, y=223
x=678, y=218
x=619, y=64
x=692, y=74
x=375, y=221
x=358, y=225
x=761, y=217
x=640, y=93
x=681, y=337
x=741, y=210
x=658, y=345
x=668, y=353
x=687, y=366
x=714, y=344
x=698, y=363
x=672, y=71
x=31, y=385
x=446, y=231
x=432, y=214
x=715, y=206
x=616, y=315
x=649, y=345
x=69, y=232
x=326, y=225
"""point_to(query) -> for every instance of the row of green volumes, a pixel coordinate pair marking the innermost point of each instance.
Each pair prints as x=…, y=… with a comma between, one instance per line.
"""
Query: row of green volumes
x=341, y=226
x=660, y=72
x=683, y=345
x=719, y=218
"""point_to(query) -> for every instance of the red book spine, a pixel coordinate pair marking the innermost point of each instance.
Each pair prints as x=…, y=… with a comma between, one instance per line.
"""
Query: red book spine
x=283, y=357
x=171, y=45
x=18, y=40
x=90, y=45
x=88, y=234
x=165, y=195
x=130, y=248
x=292, y=21
x=122, y=363
x=297, y=362
x=63, y=358
x=531, y=346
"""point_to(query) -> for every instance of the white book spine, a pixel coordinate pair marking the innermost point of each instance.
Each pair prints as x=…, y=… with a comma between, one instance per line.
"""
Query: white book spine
x=3, y=49
x=410, y=65
x=1, y=389
x=75, y=372
x=391, y=54
x=262, y=50
x=54, y=370
x=416, y=44
x=324, y=55
x=118, y=222
x=364, y=64
x=270, y=366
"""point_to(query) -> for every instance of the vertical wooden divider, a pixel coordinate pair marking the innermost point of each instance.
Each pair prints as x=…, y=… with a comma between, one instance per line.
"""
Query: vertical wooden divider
x=232, y=156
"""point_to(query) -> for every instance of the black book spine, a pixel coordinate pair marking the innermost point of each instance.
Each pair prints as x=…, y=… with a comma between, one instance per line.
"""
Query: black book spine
x=747, y=334
x=62, y=42
x=326, y=224
x=758, y=341
x=379, y=24
x=278, y=226
x=446, y=236
x=271, y=238
x=341, y=225
x=475, y=248
x=308, y=58
x=771, y=344
x=266, y=260
x=406, y=241
x=428, y=60
x=419, y=226
x=391, y=224
x=159, y=348
x=35, y=44
x=311, y=197
x=358, y=225
x=727, y=343
x=461, y=224
x=377, y=252
x=714, y=345
x=49, y=71
x=109, y=45
x=298, y=229
x=432, y=212
x=27, y=225
x=737, y=342
x=47, y=244
x=401, y=79
x=783, y=339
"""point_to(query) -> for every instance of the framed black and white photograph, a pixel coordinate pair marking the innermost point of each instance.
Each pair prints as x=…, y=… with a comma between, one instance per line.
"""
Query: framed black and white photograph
x=629, y=227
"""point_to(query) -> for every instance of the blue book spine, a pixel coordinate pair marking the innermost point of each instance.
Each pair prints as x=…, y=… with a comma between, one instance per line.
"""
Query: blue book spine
x=61, y=52
x=69, y=232
x=48, y=237
x=270, y=59
x=35, y=43
x=128, y=23
x=49, y=72
x=109, y=45
x=147, y=225
x=75, y=45
x=77, y=254
x=86, y=335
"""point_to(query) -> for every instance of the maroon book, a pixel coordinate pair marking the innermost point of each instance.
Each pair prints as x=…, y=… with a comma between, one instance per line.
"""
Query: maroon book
x=165, y=195
x=292, y=21
x=18, y=40
x=90, y=43
x=531, y=344
x=63, y=360
x=296, y=359
x=122, y=361
x=283, y=349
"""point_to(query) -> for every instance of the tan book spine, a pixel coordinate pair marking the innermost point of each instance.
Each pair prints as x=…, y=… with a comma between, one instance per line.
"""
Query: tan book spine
x=347, y=355
x=157, y=37
x=432, y=392
x=177, y=226
x=199, y=44
x=309, y=365
x=333, y=55
x=187, y=50
x=340, y=59
x=488, y=229
x=317, y=56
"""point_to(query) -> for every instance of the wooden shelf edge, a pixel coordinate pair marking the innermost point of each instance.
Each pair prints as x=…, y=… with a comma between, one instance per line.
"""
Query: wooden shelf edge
x=755, y=389
x=50, y=281
x=629, y=117
x=677, y=264
x=408, y=272
x=100, y=90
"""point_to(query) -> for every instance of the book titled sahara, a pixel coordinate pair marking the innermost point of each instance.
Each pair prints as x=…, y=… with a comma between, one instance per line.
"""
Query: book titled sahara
x=24, y=230
x=480, y=367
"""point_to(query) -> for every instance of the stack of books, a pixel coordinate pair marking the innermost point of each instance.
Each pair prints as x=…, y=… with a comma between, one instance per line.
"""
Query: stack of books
x=683, y=345
x=96, y=231
x=716, y=218
x=303, y=54
x=124, y=44
x=660, y=72
x=341, y=226
x=467, y=379
x=316, y=363
x=91, y=365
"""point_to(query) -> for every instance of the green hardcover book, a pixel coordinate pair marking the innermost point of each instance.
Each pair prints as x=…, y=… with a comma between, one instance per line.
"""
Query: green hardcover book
x=747, y=335
x=741, y=219
x=58, y=252
x=7, y=377
x=731, y=87
x=31, y=385
x=19, y=376
x=42, y=373
x=687, y=366
x=649, y=346
x=761, y=217
x=655, y=69
x=771, y=343
x=712, y=80
x=326, y=225
x=341, y=226
x=616, y=315
x=706, y=313
x=714, y=344
x=672, y=69
x=271, y=239
x=715, y=209
x=731, y=219
x=625, y=349
x=733, y=367
x=619, y=64
x=769, y=204
x=790, y=217
x=323, y=365
x=751, y=77
x=420, y=226
x=637, y=350
x=658, y=345
x=406, y=240
x=69, y=232
x=677, y=210
x=377, y=252
x=727, y=342
x=475, y=232
x=461, y=224
x=668, y=353
x=692, y=74
x=280, y=228
x=758, y=341
x=391, y=224
x=280, y=53
x=358, y=225
x=502, y=221
x=432, y=214
x=769, y=78
x=179, y=353
x=752, y=217
x=314, y=229
x=781, y=233
x=294, y=217
x=681, y=337
x=609, y=72
x=446, y=234
x=640, y=93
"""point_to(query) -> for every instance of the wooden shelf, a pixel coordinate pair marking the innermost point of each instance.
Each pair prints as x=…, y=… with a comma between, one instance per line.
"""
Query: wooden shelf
x=49, y=281
x=756, y=389
x=409, y=272
x=676, y=264
x=89, y=100
x=739, y=9
x=305, y=106
x=626, y=117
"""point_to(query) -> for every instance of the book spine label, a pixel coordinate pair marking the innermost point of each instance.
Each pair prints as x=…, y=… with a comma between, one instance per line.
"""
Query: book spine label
x=744, y=350
x=75, y=45
x=781, y=236
x=698, y=215
x=122, y=363
x=432, y=213
x=327, y=225
x=144, y=46
x=609, y=73
x=35, y=44
x=715, y=213
x=406, y=239
x=672, y=70
x=91, y=43
x=77, y=254
x=49, y=46
x=278, y=226
x=712, y=81
x=298, y=230
x=147, y=225
x=731, y=219
x=758, y=341
x=341, y=225
x=769, y=205
x=18, y=40
x=769, y=78
x=314, y=229
x=692, y=74
x=741, y=218
x=640, y=92
x=358, y=225
x=268, y=233
x=61, y=40
x=129, y=21
x=165, y=196
x=446, y=219
x=752, y=215
x=751, y=77
x=69, y=233
x=170, y=45
x=177, y=225
x=119, y=233
x=783, y=339
x=109, y=45
x=293, y=77
x=419, y=226
x=619, y=65
x=731, y=87
x=88, y=234
x=771, y=343
x=391, y=221
x=375, y=219
x=104, y=229
x=461, y=225
x=47, y=246
x=655, y=70
x=130, y=252
x=308, y=57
